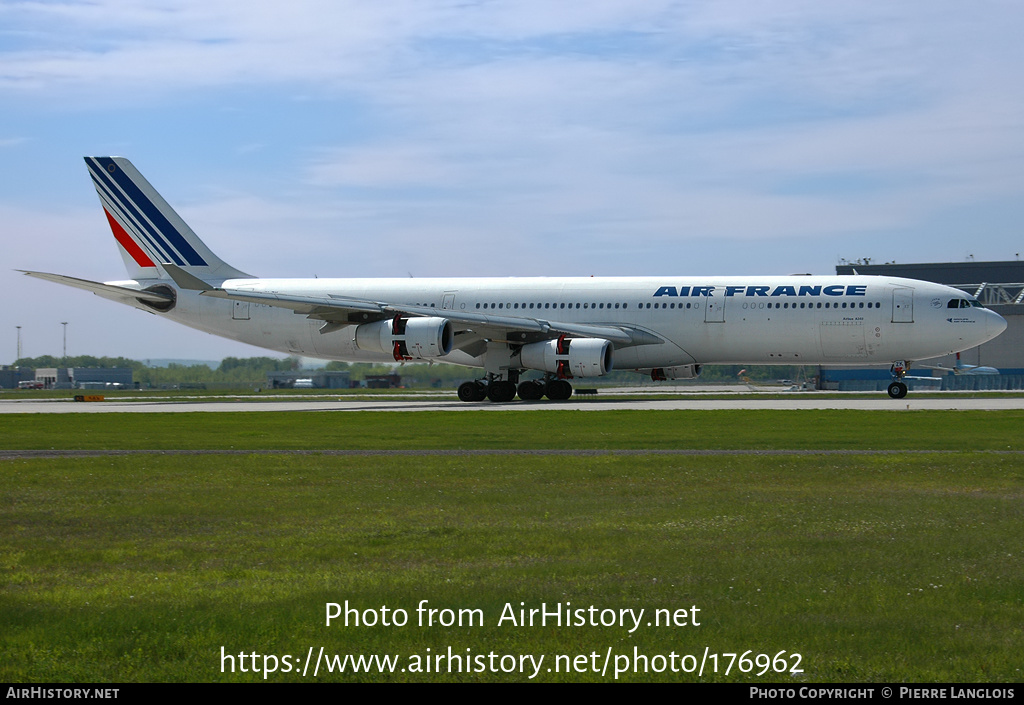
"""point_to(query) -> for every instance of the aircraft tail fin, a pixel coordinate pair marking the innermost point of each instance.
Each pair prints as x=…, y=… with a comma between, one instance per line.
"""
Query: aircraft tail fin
x=148, y=231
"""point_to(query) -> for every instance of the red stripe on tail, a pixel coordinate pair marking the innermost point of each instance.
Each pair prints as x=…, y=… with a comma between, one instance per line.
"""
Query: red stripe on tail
x=125, y=240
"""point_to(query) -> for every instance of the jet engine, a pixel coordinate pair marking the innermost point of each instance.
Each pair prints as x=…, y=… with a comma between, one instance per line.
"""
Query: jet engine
x=407, y=338
x=569, y=357
x=660, y=374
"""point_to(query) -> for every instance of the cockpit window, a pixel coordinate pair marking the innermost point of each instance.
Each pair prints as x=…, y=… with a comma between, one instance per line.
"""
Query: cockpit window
x=964, y=303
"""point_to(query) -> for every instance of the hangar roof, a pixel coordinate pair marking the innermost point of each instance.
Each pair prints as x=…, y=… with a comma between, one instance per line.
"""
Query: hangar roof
x=950, y=273
x=996, y=284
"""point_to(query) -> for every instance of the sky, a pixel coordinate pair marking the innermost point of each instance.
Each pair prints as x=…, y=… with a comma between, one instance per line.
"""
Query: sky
x=492, y=138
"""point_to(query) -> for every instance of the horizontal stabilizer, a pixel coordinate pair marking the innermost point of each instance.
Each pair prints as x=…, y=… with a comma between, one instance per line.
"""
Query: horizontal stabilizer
x=107, y=291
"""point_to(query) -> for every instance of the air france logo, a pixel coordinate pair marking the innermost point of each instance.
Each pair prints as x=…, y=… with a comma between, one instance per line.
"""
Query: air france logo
x=753, y=291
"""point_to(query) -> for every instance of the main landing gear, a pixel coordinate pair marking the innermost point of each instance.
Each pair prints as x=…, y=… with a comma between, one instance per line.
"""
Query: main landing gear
x=898, y=388
x=472, y=391
x=499, y=390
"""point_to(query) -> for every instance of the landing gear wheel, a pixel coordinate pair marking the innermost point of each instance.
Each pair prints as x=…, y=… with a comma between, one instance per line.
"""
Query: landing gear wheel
x=558, y=390
x=897, y=390
x=531, y=391
x=501, y=391
x=472, y=391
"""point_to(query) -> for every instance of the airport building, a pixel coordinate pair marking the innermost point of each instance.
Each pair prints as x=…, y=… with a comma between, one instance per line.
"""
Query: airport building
x=11, y=377
x=84, y=377
x=999, y=286
x=309, y=379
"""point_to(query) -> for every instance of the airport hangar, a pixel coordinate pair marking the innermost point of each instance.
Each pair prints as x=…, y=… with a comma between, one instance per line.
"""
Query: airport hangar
x=997, y=285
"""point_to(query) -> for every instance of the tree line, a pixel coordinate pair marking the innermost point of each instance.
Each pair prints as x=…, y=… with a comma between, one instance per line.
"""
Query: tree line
x=252, y=371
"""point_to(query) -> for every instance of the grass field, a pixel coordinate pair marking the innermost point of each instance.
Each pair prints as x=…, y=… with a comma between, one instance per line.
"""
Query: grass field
x=873, y=567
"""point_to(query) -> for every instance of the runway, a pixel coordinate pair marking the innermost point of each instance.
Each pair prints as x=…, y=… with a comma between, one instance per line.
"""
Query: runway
x=801, y=401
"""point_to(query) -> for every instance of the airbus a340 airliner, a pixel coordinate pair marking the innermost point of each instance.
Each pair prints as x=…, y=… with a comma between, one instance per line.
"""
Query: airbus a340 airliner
x=566, y=328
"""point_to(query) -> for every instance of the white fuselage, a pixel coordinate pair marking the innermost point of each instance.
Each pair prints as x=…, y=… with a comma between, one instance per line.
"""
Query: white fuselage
x=849, y=320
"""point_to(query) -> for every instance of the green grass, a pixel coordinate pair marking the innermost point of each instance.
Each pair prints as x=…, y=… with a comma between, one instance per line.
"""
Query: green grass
x=875, y=568
x=550, y=429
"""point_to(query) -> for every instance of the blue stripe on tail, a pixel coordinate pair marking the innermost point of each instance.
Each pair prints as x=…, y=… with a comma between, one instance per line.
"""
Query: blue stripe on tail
x=131, y=219
x=145, y=212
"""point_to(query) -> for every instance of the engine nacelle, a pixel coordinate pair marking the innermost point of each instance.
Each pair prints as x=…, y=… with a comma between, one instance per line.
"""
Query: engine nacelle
x=407, y=338
x=660, y=374
x=569, y=357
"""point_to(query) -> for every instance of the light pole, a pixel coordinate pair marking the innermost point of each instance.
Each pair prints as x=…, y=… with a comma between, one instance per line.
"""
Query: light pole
x=19, y=342
x=65, y=324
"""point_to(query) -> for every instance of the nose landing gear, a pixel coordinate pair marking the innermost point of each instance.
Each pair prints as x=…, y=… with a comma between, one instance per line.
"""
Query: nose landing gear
x=898, y=388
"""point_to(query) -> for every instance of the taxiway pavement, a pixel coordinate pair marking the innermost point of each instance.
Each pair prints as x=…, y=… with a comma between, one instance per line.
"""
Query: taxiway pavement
x=951, y=401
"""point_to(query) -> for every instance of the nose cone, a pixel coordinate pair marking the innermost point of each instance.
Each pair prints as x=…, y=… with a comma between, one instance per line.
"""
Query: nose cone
x=994, y=324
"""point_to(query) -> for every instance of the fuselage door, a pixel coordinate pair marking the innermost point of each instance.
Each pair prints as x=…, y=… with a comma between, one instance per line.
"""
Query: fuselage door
x=240, y=310
x=714, y=309
x=448, y=302
x=903, y=305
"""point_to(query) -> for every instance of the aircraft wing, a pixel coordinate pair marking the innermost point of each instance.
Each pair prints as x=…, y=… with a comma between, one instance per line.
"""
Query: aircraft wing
x=962, y=369
x=345, y=311
x=338, y=311
x=108, y=291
